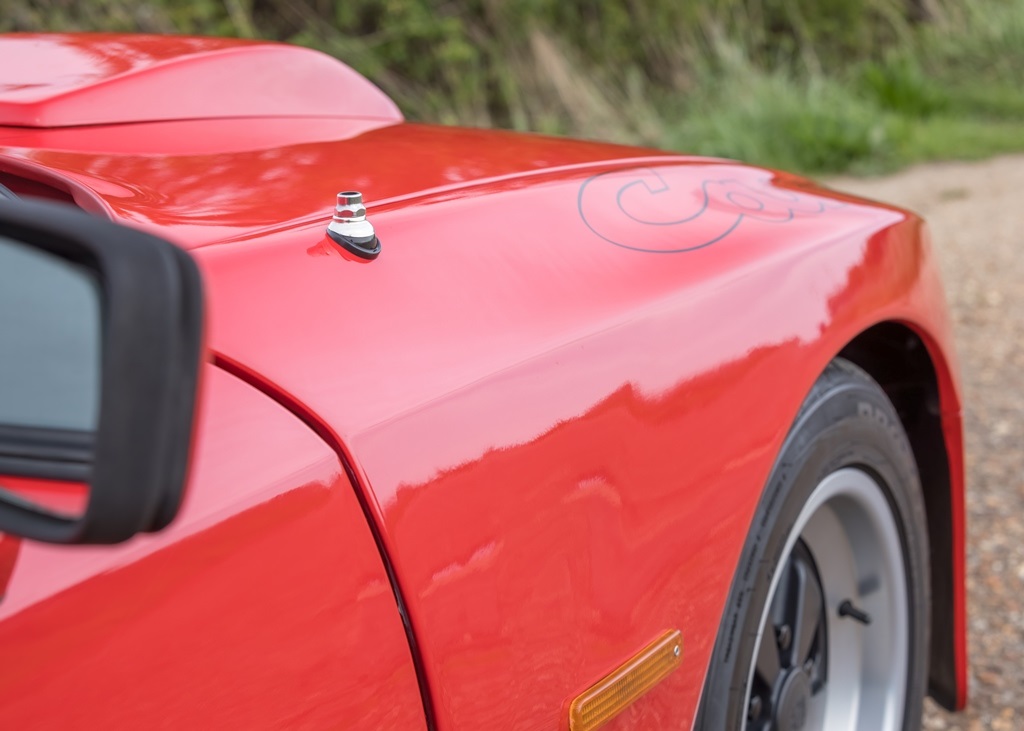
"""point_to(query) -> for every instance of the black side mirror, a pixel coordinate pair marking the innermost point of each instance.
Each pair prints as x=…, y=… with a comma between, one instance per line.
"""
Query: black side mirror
x=100, y=346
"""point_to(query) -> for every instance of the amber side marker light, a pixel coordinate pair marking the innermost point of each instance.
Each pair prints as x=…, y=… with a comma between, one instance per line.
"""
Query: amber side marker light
x=607, y=698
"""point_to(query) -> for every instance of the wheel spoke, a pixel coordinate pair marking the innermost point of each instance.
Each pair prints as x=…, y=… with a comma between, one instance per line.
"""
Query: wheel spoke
x=808, y=614
x=781, y=611
x=768, y=663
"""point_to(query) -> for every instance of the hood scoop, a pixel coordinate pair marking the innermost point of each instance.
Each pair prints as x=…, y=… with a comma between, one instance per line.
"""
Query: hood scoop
x=68, y=80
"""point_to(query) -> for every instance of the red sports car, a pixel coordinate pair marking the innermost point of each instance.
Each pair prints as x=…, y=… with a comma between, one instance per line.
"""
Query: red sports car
x=513, y=432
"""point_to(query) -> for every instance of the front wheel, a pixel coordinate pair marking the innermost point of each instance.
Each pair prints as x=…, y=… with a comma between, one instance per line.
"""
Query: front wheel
x=826, y=624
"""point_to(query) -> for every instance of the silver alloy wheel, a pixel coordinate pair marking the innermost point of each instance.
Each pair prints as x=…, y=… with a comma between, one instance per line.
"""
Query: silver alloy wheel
x=831, y=669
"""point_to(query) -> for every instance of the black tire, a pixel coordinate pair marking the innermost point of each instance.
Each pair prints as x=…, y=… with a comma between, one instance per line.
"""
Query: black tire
x=846, y=424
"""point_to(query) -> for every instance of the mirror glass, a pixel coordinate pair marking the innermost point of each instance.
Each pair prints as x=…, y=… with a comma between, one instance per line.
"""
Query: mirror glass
x=50, y=340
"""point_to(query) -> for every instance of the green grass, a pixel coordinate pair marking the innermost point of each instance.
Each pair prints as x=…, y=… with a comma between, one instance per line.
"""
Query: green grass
x=874, y=118
x=814, y=124
x=945, y=138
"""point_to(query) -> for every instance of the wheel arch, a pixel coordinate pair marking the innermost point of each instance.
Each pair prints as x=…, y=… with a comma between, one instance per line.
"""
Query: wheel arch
x=899, y=360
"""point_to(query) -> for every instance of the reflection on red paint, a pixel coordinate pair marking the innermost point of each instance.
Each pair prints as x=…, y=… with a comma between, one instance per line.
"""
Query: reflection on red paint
x=197, y=184
x=65, y=80
x=564, y=440
x=264, y=605
x=58, y=497
x=9, y=548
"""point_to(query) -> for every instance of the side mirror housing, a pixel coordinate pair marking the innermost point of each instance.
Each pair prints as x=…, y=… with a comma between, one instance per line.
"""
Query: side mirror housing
x=100, y=346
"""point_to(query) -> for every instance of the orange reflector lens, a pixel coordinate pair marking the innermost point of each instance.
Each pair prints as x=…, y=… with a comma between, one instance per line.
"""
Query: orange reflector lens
x=610, y=696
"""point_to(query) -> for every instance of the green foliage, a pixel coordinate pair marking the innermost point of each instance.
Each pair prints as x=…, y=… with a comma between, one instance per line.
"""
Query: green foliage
x=816, y=85
x=813, y=124
x=898, y=85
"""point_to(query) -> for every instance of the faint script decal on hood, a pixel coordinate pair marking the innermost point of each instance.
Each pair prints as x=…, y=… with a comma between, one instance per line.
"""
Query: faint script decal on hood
x=662, y=213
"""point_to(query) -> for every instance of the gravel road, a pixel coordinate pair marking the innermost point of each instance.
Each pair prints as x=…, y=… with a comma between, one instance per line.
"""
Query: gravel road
x=976, y=213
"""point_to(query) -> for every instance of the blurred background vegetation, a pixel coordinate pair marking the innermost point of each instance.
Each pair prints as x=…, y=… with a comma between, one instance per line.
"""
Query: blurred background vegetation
x=813, y=85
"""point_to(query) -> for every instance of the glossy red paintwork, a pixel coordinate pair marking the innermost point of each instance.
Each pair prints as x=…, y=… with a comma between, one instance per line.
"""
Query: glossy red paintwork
x=57, y=496
x=560, y=427
x=61, y=80
x=204, y=182
x=565, y=439
x=250, y=611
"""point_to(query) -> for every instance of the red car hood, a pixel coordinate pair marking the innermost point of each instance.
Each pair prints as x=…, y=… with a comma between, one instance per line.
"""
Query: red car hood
x=203, y=181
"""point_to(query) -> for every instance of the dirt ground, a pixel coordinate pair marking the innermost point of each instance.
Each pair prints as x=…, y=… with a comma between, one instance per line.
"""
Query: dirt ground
x=976, y=213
